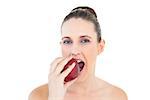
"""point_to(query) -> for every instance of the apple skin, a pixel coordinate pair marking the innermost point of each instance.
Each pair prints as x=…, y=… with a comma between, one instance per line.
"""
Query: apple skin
x=75, y=71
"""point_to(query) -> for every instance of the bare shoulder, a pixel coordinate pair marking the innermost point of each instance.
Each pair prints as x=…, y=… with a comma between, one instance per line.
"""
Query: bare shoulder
x=111, y=92
x=117, y=93
x=40, y=93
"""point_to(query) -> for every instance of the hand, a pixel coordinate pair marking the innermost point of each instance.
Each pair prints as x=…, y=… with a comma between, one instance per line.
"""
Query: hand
x=57, y=86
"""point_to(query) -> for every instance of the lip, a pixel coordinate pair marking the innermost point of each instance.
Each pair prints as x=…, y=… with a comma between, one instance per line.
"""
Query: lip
x=78, y=60
x=81, y=59
x=81, y=65
x=82, y=71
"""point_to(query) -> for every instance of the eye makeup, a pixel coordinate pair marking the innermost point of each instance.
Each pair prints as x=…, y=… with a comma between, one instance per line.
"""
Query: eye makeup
x=82, y=40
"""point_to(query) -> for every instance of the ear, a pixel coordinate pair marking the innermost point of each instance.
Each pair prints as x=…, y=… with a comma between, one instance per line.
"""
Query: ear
x=101, y=46
x=60, y=42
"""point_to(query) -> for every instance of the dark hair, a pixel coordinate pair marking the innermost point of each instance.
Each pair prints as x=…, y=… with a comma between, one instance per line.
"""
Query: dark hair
x=88, y=14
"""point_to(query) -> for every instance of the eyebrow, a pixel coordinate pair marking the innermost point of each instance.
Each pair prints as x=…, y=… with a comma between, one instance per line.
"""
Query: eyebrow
x=65, y=37
x=80, y=37
x=85, y=36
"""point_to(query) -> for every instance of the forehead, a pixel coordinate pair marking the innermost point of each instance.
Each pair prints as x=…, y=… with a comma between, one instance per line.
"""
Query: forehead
x=78, y=26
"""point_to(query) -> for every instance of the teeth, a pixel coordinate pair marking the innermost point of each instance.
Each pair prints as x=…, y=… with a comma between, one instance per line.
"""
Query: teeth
x=79, y=60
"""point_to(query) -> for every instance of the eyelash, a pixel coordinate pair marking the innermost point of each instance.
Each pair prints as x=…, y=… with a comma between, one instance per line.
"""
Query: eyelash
x=67, y=42
x=83, y=41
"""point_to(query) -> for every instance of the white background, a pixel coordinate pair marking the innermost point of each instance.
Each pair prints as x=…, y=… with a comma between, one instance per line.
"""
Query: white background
x=29, y=41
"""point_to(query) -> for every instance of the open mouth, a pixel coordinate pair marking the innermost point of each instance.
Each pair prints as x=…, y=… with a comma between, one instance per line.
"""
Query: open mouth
x=80, y=65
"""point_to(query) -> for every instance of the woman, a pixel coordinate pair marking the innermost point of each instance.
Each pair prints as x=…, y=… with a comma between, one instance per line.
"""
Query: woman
x=81, y=40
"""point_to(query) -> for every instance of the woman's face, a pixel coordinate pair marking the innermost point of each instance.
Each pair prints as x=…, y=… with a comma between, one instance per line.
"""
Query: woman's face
x=80, y=39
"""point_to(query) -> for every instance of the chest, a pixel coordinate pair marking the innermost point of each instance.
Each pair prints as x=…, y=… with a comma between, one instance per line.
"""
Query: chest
x=83, y=97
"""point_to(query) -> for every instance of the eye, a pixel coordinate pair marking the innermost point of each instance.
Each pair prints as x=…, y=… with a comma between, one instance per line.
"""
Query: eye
x=85, y=41
x=67, y=42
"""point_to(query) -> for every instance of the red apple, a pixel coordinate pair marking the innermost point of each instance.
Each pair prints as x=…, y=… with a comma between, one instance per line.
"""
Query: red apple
x=75, y=71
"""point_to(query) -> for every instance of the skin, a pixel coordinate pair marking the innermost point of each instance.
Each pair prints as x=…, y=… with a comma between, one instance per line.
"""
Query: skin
x=79, y=40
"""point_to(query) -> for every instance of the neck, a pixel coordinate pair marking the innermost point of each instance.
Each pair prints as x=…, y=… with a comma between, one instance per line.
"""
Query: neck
x=86, y=86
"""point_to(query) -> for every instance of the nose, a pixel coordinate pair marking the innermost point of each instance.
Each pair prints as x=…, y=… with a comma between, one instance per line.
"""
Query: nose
x=75, y=50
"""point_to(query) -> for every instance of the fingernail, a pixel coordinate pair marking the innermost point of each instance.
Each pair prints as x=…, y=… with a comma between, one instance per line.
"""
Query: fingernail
x=73, y=64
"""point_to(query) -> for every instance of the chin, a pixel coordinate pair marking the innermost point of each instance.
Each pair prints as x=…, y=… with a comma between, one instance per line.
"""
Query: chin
x=83, y=75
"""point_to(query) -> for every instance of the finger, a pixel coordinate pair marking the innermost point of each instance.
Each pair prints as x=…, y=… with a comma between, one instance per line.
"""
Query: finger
x=62, y=64
x=68, y=70
x=55, y=63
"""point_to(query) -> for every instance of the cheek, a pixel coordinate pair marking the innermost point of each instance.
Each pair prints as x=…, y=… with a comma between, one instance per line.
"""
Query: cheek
x=90, y=53
x=65, y=51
